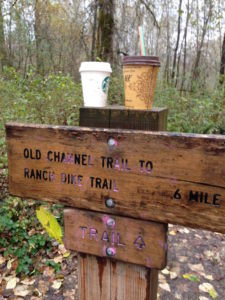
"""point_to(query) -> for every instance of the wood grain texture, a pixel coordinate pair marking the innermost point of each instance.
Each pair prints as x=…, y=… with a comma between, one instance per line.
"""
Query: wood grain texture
x=120, y=117
x=104, y=279
x=182, y=183
x=118, y=280
x=95, y=117
x=93, y=277
x=134, y=241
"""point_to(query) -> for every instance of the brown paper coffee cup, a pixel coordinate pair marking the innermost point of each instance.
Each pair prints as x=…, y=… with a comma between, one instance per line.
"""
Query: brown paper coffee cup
x=139, y=75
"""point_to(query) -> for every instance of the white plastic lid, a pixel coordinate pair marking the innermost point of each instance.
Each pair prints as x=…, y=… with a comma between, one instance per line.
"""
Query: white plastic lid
x=95, y=66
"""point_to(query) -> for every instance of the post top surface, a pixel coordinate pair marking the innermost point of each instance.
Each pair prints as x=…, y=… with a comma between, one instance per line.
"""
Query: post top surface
x=123, y=108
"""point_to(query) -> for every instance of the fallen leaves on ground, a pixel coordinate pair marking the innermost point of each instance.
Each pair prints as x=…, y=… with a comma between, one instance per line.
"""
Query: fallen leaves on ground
x=28, y=281
x=172, y=232
x=47, y=283
x=11, y=284
x=196, y=261
x=208, y=288
x=172, y=274
x=165, y=286
x=2, y=260
x=56, y=284
x=191, y=277
x=22, y=291
x=48, y=271
x=58, y=259
x=193, y=255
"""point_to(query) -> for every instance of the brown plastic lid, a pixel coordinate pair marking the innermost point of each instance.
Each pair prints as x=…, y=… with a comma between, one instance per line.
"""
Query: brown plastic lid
x=141, y=60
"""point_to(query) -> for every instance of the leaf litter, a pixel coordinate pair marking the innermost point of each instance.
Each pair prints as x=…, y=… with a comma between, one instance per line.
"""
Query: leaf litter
x=194, y=253
x=197, y=258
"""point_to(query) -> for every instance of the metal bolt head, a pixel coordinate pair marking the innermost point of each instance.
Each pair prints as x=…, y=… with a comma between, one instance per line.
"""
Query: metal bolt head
x=111, y=223
x=110, y=203
x=110, y=251
x=112, y=143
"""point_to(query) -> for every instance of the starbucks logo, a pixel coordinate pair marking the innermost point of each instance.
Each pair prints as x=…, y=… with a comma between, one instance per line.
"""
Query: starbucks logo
x=105, y=84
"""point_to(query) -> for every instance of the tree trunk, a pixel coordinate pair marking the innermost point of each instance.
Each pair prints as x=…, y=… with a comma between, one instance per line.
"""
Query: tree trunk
x=204, y=30
x=3, y=54
x=167, y=66
x=197, y=24
x=178, y=66
x=94, y=30
x=10, y=58
x=222, y=64
x=38, y=38
x=178, y=40
x=185, y=45
x=105, y=30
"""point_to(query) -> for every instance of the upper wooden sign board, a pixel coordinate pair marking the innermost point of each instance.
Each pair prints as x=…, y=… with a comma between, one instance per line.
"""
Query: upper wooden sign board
x=159, y=176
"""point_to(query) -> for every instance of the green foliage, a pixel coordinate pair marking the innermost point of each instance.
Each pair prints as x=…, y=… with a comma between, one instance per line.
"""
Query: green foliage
x=116, y=90
x=201, y=111
x=17, y=219
x=198, y=112
x=54, y=99
x=55, y=266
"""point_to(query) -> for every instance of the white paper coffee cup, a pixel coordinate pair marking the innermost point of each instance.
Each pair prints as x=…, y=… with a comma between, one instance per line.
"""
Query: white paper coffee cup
x=95, y=82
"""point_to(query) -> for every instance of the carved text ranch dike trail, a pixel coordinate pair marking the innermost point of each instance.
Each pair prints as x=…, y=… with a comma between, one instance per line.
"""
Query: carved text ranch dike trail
x=165, y=177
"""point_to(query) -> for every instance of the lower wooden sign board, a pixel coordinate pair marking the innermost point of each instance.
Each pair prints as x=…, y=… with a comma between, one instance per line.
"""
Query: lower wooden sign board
x=134, y=241
x=159, y=176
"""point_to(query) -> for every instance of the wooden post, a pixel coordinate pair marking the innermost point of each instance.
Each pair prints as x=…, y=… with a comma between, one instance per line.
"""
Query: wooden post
x=102, y=278
x=119, y=117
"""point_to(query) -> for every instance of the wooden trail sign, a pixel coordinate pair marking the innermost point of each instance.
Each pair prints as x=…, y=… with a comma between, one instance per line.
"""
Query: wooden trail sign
x=166, y=177
x=135, y=241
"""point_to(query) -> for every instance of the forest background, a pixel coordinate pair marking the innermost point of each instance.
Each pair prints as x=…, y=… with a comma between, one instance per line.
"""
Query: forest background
x=43, y=42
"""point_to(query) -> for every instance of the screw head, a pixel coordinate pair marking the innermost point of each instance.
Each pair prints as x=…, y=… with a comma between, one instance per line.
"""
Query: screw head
x=110, y=203
x=111, y=223
x=110, y=251
x=112, y=143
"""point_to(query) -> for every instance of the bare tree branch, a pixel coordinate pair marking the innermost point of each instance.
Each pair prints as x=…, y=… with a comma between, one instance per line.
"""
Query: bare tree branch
x=13, y=4
x=147, y=6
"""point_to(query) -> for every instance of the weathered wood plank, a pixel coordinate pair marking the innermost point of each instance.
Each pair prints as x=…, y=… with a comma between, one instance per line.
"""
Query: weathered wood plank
x=181, y=181
x=120, y=117
x=127, y=281
x=153, y=120
x=134, y=241
x=104, y=279
x=94, y=277
x=95, y=117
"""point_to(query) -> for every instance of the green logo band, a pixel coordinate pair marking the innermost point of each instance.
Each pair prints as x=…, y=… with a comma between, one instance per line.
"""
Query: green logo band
x=105, y=84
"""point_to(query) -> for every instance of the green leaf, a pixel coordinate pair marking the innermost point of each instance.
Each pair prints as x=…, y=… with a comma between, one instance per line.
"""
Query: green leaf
x=208, y=288
x=213, y=294
x=98, y=59
x=49, y=222
x=56, y=266
x=191, y=277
